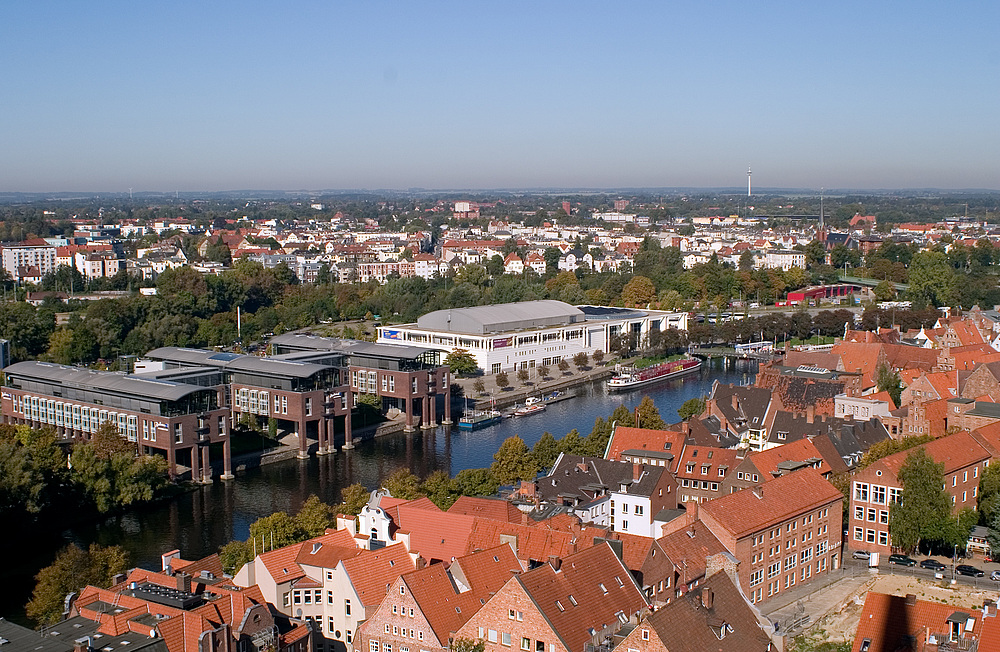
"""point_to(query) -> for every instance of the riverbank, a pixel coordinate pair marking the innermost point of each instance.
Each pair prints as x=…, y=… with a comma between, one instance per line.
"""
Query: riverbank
x=498, y=397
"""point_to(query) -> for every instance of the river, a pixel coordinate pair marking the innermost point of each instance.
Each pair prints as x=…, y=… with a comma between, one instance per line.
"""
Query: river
x=199, y=522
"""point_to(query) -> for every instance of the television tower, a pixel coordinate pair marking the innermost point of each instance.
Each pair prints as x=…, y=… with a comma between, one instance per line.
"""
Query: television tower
x=748, y=181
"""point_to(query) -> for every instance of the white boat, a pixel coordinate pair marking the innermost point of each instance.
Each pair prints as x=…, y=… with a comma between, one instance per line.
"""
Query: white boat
x=630, y=377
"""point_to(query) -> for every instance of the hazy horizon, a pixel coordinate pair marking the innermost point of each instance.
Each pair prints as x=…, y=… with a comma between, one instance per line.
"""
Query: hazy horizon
x=517, y=96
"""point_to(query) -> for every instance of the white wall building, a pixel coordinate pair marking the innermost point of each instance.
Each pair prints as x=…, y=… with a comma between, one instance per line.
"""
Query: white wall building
x=44, y=258
x=528, y=334
x=785, y=259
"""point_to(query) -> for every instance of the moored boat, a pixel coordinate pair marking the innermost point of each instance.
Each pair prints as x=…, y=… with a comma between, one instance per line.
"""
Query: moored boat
x=630, y=377
x=479, y=419
x=528, y=410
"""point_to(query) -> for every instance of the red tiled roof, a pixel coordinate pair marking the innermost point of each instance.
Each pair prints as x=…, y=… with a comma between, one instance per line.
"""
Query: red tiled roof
x=374, y=571
x=751, y=510
x=800, y=450
x=493, y=508
x=955, y=451
x=689, y=548
x=886, y=620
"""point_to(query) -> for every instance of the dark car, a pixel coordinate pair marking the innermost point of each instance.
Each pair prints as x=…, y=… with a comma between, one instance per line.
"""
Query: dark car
x=971, y=571
x=902, y=560
x=932, y=564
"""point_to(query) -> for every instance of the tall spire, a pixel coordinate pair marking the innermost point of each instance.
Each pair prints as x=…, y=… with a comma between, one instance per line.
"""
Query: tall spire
x=748, y=180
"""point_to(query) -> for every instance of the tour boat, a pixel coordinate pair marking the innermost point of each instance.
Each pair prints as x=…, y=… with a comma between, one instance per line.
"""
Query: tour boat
x=630, y=377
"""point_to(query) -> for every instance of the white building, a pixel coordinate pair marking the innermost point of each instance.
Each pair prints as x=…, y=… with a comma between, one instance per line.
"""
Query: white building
x=859, y=407
x=42, y=257
x=513, y=336
x=784, y=259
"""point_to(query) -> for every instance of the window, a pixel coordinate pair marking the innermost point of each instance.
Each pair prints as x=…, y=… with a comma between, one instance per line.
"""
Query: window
x=525, y=643
x=505, y=638
x=871, y=514
x=861, y=491
x=878, y=494
x=883, y=538
x=347, y=607
x=491, y=635
x=638, y=510
x=870, y=536
x=329, y=597
x=859, y=534
x=756, y=577
x=373, y=646
x=388, y=629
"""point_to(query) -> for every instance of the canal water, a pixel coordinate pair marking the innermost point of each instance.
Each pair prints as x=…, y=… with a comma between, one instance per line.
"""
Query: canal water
x=199, y=522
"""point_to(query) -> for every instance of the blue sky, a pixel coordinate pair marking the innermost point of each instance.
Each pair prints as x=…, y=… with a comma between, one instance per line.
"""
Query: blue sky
x=103, y=96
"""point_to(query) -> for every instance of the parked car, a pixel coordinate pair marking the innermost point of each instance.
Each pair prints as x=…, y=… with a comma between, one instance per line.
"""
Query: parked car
x=971, y=571
x=932, y=564
x=861, y=554
x=995, y=576
x=902, y=560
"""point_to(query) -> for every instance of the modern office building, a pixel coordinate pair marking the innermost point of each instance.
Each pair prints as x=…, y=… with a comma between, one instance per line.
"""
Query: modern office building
x=177, y=419
x=512, y=336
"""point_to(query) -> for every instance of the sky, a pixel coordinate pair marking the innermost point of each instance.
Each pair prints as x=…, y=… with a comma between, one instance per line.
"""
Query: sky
x=104, y=96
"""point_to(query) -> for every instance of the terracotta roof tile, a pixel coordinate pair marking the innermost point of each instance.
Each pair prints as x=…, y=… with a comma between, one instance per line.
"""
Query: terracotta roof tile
x=623, y=439
x=888, y=623
x=751, y=510
x=374, y=571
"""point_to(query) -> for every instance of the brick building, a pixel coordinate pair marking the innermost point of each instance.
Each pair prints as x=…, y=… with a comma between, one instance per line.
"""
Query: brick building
x=783, y=533
x=562, y=606
x=877, y=486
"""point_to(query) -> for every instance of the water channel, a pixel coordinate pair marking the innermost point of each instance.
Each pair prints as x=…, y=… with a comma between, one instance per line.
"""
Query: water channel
x=199, y=522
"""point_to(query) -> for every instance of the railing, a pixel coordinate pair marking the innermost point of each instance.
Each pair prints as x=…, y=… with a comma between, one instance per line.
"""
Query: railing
x=960, y=644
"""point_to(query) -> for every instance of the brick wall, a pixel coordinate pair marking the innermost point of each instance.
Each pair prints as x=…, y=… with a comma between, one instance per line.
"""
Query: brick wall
x=527, y=623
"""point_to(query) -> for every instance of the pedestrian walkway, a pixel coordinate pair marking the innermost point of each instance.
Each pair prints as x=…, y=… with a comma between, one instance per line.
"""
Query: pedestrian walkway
x=517, y=392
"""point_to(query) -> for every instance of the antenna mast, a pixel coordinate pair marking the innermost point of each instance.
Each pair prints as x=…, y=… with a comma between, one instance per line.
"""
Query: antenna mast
x=748, y=180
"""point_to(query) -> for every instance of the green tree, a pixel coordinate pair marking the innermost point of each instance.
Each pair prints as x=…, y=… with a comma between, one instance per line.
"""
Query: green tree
x=276, y=531
x=883, y=291
x=888, y=380
x=597, y=441
x=479, y=386
x=467, y=645
x=649, y=416
x=581, y=359
x=461, y=362
x=622, y=417
x=889, y=446
x=545, y=451
x=571, y=444
x=354, y=498
x=402, y=484
x=692, y=407
x=440, y=489
x=598, y=356
x=563, y=366
x=476, y=482
x=932, y=279
x=109, y=472
x=72, y=570
x=314, y=517
x=502, y=381
x=924, y=510
x=513, y=461
x=522, y=376
x=235, y=554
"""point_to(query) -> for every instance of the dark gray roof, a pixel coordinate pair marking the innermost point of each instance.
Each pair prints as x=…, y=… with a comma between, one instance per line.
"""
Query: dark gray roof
x=985, y=409
x=104, y=381
x=481, y=320
x=359, y=347
x=236, y=362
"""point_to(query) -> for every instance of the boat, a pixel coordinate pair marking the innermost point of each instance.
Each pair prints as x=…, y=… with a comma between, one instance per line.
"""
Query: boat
x=630, y=377
x=479, y=419
x=529, y=410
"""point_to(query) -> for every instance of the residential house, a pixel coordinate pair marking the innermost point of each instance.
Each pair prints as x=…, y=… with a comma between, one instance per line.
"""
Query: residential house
x=715, y=616
x=890, y=623
x=562, y=606
x=702, y=471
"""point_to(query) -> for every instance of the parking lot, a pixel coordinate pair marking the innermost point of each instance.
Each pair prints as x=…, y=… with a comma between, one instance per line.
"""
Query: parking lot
x=944, y=572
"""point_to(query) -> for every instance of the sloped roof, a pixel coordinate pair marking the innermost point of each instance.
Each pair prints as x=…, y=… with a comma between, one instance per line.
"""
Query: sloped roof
x=374, y=570
x=493, y=508
x=689, y=548
x=655, y=441
x=889, y=624
x=751, y=510
x=803, y=450
x=530, y=543
x=954, y=451
x=699, y=624
x=581, y=576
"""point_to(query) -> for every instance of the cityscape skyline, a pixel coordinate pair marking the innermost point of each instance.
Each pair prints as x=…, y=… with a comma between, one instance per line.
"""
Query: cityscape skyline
x=458, y=96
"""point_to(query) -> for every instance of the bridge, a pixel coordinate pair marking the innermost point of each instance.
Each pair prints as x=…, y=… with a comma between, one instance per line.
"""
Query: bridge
x=730, y=352
x=872, y=282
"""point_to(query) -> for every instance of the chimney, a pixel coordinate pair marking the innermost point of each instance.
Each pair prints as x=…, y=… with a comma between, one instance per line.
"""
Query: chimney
x=685, y=428
x=168, y=557
x=691, y=511
x=706, y=597
x=736, y=402
x=82, y=644
x=117, y=579
x=419, y=562
x=636, y=472
x=554, y=562
x=183, y=582
x=911, y=599
x=810, y=413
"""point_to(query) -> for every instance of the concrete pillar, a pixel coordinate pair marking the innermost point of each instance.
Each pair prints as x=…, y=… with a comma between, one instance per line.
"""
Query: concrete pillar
x=348, y=435
x=206, y=466
x=172, y=461
x=408, y=404
x=303, y=453
x=321, y=431
x=447, y=399
x=195, y=465
x=227, y=458
x=428, y=420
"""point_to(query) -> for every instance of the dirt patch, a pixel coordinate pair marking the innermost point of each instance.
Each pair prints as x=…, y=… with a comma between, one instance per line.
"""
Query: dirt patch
x=840, y=624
